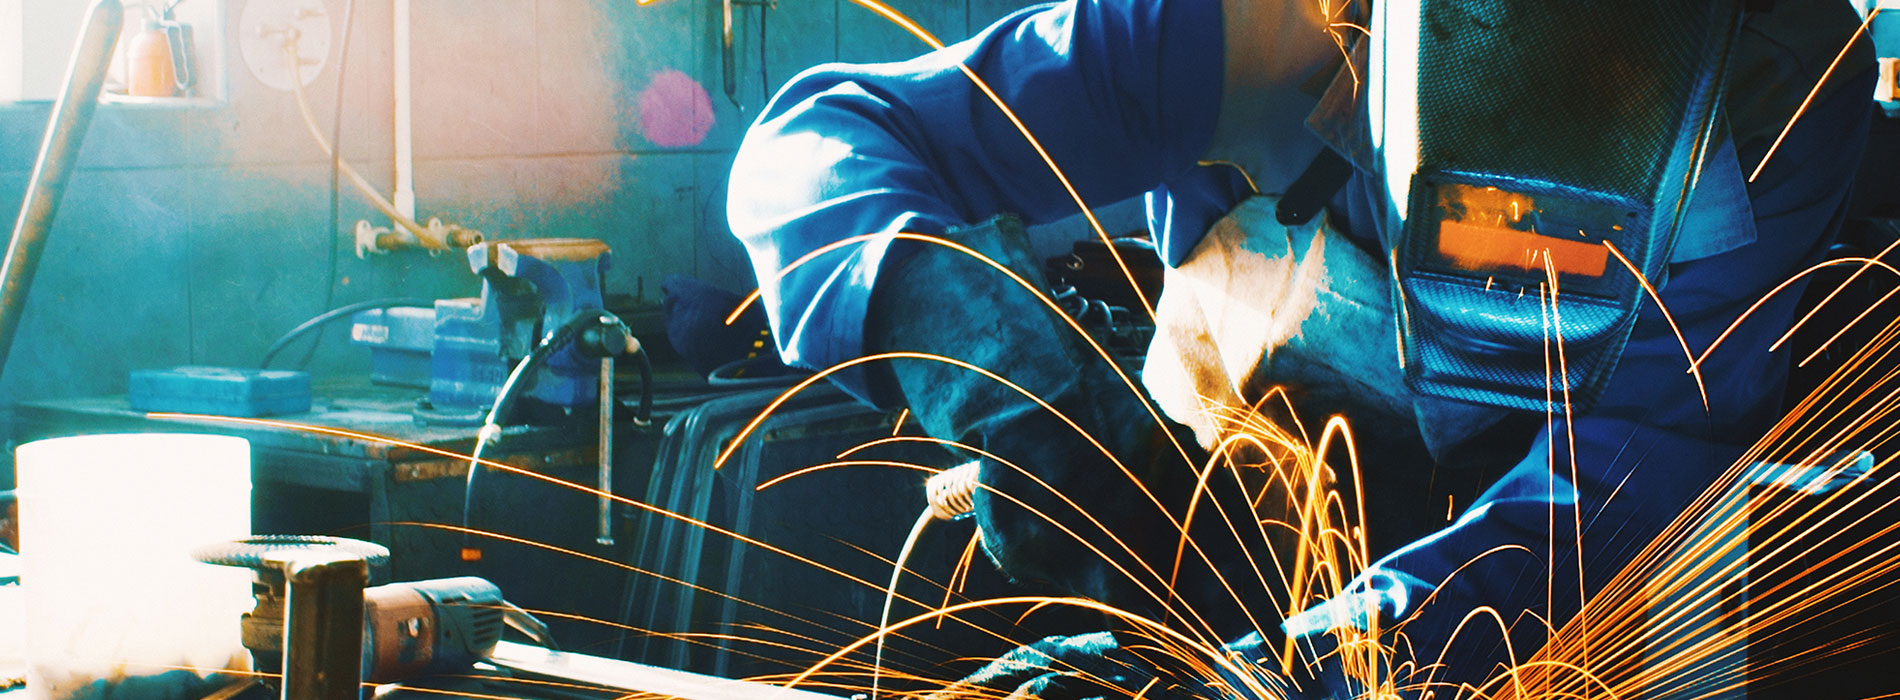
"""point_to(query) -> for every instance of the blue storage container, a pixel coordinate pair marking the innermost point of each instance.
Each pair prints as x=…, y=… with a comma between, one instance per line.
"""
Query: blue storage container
x=220, y=391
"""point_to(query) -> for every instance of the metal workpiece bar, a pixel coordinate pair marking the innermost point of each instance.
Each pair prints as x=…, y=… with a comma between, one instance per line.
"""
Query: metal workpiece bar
x=59, y=150
x=323, y=630
x=606, y=535
x=622, y=679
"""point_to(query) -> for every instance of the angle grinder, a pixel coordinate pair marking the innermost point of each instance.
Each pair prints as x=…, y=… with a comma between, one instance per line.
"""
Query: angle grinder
x=409, y=630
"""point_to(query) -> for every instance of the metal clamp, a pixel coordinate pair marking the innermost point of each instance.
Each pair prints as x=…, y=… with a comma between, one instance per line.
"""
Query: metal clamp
x=312, y=589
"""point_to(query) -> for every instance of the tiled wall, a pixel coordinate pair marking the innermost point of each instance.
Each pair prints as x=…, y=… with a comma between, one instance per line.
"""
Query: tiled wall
x=198, y=234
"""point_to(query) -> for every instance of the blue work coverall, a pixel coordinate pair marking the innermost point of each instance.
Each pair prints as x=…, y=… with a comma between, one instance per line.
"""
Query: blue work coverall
x=1124, y=96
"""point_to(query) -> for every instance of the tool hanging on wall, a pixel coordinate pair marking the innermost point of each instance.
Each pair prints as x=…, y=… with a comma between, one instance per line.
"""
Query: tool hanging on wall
x=728, y=60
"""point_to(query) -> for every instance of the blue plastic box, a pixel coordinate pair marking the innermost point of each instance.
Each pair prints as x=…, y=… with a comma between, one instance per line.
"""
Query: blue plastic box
x=220, y=391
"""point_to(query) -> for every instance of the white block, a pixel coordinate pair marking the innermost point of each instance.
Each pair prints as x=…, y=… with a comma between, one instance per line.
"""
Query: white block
x=107, y=527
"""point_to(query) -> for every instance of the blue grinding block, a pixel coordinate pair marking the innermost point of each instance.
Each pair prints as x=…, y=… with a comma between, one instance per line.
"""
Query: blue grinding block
x=220, y=391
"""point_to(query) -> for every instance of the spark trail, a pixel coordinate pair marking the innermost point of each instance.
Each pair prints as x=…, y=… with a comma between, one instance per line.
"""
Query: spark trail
x=1669, y=623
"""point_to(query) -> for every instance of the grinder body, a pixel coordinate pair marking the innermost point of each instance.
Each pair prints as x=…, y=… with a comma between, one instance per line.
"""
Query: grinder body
x=423, y=628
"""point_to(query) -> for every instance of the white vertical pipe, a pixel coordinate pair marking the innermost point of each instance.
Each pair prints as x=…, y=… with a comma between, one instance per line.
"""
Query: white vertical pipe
x=405, y=154
x=12, y=46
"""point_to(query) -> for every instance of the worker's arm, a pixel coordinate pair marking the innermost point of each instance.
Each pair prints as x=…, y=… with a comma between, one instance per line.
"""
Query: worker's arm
x=1121, y=94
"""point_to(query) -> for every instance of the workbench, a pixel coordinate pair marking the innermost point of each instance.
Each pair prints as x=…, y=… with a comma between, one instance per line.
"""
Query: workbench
x=399, y=492
x=692, y=581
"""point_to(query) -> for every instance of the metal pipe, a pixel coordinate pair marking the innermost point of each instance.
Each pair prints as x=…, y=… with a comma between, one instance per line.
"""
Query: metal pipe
x=59, y=150
x=404, y=135
x=323, y=629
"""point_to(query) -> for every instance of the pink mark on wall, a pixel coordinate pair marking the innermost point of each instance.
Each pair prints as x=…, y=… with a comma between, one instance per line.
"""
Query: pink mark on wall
x=675, y=110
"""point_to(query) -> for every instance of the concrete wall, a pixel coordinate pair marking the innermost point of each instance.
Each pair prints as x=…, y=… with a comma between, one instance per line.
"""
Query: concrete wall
x=199, y=233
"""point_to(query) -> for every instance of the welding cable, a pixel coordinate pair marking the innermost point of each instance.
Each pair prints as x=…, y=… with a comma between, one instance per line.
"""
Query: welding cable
x=554, y=341
x=336, y=158
x=326, y=317
x=504, y=401
x=551, y=343
x=949, y=495
x=599, y=342
x=644, y=416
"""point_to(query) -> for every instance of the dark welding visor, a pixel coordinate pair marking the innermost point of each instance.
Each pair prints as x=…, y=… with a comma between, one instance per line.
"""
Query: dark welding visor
x=1520, y=140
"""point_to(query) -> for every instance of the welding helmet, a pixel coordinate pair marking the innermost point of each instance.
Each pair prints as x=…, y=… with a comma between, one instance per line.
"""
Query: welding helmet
x=1520, y=140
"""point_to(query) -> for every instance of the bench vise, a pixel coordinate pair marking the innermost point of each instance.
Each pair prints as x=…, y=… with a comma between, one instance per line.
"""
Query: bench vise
x=530, y=287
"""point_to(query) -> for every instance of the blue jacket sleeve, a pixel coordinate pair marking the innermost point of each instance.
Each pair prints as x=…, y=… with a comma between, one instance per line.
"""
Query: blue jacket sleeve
x=1122, y=94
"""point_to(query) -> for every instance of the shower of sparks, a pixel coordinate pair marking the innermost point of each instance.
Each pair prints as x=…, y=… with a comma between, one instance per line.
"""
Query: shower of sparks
x=1667, y=624
x=1671, y=623
x=1339, y=19
x=1606, y=623
x=582, y=488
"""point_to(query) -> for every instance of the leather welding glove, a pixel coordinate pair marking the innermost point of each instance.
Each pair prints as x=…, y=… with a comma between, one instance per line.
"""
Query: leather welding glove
x=1259, y=307
x=1103, y=665
x=944, y=302
x=1081, y=667
x=170, y=685
x=1318, y=671
x=1259, y=303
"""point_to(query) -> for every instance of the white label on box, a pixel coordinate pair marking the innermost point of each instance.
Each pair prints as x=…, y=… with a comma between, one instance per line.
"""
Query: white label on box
x=369, y=333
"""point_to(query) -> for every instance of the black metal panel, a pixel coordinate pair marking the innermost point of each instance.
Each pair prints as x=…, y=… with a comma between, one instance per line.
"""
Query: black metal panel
x=789, y=614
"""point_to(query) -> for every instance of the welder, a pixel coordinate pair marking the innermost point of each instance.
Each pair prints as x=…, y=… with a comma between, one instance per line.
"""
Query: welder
x=1490, y=178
